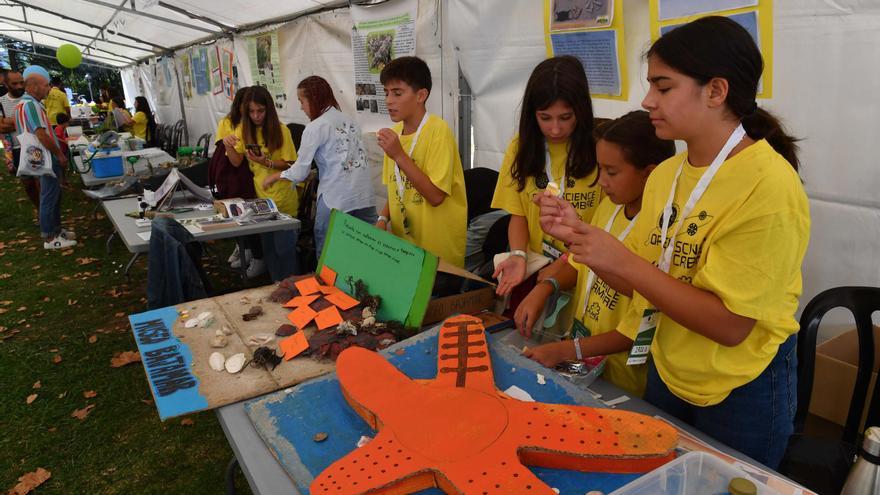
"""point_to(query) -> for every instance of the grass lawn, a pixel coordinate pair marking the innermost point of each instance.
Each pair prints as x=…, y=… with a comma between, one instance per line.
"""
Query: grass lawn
x=62, y=318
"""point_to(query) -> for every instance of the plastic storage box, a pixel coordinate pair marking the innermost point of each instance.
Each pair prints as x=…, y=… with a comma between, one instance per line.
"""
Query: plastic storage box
x=107, y=163
x=695, y=473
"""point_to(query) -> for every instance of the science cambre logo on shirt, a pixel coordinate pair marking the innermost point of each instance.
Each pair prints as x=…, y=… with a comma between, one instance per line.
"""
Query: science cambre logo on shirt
x=688, y=245
x=580, y=200
x=416, y=198
x=607, y=296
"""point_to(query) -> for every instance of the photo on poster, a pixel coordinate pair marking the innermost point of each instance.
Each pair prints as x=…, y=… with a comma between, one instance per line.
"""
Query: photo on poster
x=673, y=9
x=581, y=14
x=264, y=54
x=380, y=49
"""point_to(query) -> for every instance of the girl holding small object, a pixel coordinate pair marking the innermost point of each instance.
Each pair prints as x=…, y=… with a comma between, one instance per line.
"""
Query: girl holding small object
x=627, y=150
x=266, y=146
x=713, y=262
x=554, y=151
x=333, y=140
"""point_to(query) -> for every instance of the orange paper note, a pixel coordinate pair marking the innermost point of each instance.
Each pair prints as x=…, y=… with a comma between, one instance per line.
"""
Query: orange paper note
x=302, y=316
x=308, y=286
x=328, y=317
x=294, y=345
x=342, y=300
x=328, y=275
x=301, y=301
x=329, y=289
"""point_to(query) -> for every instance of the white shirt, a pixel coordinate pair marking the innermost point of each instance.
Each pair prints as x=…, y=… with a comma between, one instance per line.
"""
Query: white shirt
x=8, y=103
x=333, y=140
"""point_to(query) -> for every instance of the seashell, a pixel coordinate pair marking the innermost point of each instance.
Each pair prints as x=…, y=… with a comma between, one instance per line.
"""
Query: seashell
x=369, y=321
x=245, y=300
x=226, y=330
x=235, y=363
x=260, y=339
x=207, y=322
x=191, y=323
x=219, y=333
x=368, y=312
x=219, y=341
x=205, y=315
x=217, y=361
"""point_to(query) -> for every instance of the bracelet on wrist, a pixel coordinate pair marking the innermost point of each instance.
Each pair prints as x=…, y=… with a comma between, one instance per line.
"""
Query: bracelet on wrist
x=382, y=218
x=577, y=348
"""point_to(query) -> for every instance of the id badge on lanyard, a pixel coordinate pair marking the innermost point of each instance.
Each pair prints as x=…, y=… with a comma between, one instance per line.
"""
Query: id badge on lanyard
x=547, y=246
x=651, y=316
x=398, y=177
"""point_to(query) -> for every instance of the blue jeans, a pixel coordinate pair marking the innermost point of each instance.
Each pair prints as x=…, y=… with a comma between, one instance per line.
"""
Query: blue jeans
x=756, y=418
x=50, y=203
x=322, y=221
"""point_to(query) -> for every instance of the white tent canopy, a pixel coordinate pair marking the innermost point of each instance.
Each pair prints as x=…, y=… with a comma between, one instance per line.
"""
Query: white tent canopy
x=825, y=76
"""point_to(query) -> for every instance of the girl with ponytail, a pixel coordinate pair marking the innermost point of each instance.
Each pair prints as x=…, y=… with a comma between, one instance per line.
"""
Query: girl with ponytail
x=713, y=262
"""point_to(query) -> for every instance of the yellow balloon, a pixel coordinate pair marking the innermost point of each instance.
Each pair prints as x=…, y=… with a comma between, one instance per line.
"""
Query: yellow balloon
x=69, y=56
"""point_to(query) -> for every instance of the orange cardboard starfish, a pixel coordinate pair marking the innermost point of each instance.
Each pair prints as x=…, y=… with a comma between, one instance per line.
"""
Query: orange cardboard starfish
x=459, y=433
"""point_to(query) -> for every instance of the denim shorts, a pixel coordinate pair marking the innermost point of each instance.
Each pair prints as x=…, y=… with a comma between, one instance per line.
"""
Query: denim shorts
x=756, y=418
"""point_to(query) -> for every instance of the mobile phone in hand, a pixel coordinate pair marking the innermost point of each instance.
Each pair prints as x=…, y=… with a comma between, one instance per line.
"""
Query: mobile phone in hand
x=255, y=149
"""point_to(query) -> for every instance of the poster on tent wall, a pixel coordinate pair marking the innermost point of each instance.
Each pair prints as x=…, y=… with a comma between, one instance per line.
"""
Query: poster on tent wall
x=162, y=79
x=756, y=16
x=266, y=65
x=380, y=34
x=186, y=74
x=214, y=68
x=592, y=31
x=200, y=71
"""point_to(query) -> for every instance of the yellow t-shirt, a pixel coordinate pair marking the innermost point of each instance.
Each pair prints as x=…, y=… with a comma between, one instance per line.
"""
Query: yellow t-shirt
x=441, y=229
x=224, y=128
x=744, y=241
x=584, y=194
x=606, y=307
x=285, y=196
x=139, y=125
x=55, y=103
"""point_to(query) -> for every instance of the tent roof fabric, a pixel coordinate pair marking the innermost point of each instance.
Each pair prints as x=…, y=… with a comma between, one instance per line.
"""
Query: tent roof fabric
x=120, y=32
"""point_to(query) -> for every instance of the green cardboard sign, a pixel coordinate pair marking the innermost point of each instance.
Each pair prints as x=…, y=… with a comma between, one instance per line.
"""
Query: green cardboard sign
x=398, y=271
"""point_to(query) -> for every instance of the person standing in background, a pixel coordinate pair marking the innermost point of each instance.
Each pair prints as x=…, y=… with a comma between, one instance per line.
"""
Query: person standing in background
x=56, y=101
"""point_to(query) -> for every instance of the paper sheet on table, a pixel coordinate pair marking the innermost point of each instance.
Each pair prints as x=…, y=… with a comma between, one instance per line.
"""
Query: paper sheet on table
x=301, y=301
x=302, y=316
x=327, y=318
x=294, y=345
x=307, y=286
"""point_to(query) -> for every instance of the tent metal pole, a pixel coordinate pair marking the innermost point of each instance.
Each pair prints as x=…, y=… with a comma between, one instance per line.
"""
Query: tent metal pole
x=151, y=16
x=182, y=109
x=197, y=17
x=32, y=24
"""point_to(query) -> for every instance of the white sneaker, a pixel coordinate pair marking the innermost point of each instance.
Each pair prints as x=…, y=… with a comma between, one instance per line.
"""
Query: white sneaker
x=59, y=242
x=68, y=234
x=235, y=257
x=248, y=256
x=256, y=268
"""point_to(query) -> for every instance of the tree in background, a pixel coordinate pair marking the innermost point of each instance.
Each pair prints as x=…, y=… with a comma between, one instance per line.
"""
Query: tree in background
x=23, y=54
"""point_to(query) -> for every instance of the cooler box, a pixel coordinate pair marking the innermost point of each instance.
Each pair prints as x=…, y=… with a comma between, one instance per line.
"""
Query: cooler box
x=107, y=162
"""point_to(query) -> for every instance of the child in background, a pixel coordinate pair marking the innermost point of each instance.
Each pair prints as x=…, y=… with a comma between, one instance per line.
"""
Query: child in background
x=60, y=129
x=627, y=150
x=427, y=204
x=333, y=140
x=554, y=144
x=713, y=262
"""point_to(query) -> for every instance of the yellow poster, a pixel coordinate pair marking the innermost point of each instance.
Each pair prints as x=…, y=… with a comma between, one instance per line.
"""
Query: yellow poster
x=756, y=16
x=592, y=31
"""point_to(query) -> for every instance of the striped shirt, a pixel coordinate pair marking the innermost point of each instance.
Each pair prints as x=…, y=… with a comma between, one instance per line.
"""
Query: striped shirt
x=30, y=115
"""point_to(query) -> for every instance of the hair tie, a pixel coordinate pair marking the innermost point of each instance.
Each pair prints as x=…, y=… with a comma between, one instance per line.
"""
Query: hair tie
x=753, y=109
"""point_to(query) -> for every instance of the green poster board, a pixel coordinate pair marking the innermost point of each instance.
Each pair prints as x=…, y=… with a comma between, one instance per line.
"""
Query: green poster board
x=398, y=271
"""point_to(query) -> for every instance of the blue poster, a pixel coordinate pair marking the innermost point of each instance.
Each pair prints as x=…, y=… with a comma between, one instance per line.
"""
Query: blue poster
x=168, y=363
x=748, y=20
x=597, y=50
x=672, y=9
x=200, y=71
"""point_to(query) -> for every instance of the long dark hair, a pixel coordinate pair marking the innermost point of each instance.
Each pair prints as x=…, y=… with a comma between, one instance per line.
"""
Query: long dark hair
x=142, y=105
x=320, y=95
x=716, y=46
x=237, y=109
x=637, y=139
x=271, y=125
x=558, y=78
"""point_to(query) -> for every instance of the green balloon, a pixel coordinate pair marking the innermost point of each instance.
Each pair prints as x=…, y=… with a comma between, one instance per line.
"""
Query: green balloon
x=69, y=56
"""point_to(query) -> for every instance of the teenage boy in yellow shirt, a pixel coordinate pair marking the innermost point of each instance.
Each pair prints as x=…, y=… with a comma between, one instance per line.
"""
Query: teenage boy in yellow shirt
x=426, y=203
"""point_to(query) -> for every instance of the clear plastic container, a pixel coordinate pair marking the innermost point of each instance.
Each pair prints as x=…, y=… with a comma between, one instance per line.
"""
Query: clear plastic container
x=695, y=473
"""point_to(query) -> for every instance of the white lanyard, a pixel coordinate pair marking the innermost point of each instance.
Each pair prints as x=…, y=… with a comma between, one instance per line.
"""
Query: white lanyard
x=591, y=278
x=401, y=186
x=549, y=173
x=666, y=257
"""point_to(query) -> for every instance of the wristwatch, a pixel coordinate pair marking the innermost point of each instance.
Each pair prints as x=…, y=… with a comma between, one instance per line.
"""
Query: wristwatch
x=519, y=252
x=382, y=218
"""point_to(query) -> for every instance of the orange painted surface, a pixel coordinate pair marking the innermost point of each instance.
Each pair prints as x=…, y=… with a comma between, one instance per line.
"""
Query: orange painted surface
x=460, y=434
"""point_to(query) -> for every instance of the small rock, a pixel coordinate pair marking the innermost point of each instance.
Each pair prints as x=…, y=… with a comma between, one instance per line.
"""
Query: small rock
x=320, y=437
x=286, y=330
x=368, y=312
x=219, y=341
x=369, y=321
x=226, y=330
x=541, y=380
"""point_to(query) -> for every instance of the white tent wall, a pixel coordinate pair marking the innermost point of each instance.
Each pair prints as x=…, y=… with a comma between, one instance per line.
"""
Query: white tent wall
x=825, y=56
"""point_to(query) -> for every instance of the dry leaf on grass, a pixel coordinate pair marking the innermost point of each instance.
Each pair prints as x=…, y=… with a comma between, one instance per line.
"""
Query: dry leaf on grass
x=4, y=276
x=122, y=358
x=186, y=422
x=81, y=414
x=35, y=267
x=5, y=303
x=37, y=384
x=85, y=261
x=71, y=302
x=67, y=252
x=89, y=394
x=22, y=308
x=120, y=314
x=31, y=398
x=93, y=339
x=3, y=310
x=56, y=359
x=30, y=481
x=46, y=299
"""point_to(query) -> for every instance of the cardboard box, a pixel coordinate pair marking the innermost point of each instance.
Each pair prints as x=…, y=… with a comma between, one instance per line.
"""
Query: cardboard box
x=470, y=302
x=835, y=376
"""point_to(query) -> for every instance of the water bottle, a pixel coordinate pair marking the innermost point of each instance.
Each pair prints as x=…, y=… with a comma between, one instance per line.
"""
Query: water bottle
x=864, y=477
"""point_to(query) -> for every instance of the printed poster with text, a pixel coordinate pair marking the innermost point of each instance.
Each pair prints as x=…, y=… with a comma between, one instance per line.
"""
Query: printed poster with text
x=756, y=16
x=380, y=34
x=266, y=65
x=592, y=31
